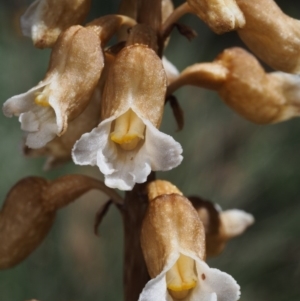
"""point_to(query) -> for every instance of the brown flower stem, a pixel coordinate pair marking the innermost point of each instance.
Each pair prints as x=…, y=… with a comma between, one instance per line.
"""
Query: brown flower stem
x=180, y=11
x=149, y=12
x=66, y=189
x=135, y=271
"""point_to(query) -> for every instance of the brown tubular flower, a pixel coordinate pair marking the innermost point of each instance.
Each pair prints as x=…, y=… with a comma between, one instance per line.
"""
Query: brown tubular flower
x=220, y=226
x=243, y=84
x=127, y=144
x=44, y=20
x=173, y=244
x=220, y=15
x=74, y=71
x=256, y=95
x=29, y=211
x=58, y=151
x=271, y=35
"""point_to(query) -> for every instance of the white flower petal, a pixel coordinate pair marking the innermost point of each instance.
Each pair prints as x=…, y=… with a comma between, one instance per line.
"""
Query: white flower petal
x=213, y=282
x=86, y=148
x=28, y=19
x=161, y=150
x=29, y=122
x=122, y=169
x=155, y=290
x=236, y=221
x=22, y=103
x=171, y=71
x=47, y=128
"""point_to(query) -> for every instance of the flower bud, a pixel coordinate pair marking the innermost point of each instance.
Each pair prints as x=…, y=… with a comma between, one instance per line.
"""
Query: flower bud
x=243, y=84
x=273, y=36
x=23, y=221
x=75, y=68
x=256, y=95
x=220, y=15
x=173, y=244
x=29, y=210
x=44, y=20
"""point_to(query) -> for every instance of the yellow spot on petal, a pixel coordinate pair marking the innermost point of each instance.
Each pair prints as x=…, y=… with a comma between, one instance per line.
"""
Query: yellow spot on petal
x=128, y=130
x=42, y=100
x=182, y=277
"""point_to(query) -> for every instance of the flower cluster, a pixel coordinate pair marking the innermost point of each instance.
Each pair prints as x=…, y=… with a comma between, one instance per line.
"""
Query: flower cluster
x=102, y=104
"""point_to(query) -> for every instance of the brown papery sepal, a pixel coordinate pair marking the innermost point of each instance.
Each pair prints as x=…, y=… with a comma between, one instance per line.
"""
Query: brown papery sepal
x=160, y=187
x=76, y=65
x=165, y=230
x=140, y=79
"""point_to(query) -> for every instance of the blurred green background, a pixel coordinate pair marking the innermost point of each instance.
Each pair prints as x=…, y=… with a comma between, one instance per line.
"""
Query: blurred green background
x=227, y=160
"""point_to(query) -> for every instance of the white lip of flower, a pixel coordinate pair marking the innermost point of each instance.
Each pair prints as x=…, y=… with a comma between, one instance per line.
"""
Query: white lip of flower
x=39, y=114
x=210, y=285
x=123, y=168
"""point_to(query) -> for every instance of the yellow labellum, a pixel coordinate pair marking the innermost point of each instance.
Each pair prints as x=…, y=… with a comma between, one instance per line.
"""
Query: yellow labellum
x=41, y=99
x=182, y=277
x=128, y=130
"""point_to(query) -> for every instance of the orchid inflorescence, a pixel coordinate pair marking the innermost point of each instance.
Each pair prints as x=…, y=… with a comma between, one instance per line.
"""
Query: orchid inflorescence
x=102, y=104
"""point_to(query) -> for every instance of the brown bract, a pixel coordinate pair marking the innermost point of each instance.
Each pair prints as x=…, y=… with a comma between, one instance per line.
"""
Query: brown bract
x=136, y=80
x=46, y=19
x=171, y=225
x=76, y=65
x=220, y=15
x=271, y=35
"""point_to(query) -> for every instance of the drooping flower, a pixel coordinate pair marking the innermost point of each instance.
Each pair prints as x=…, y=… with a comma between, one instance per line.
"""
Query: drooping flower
x=173, y=244
x=127, y=145
x=74, y=71
x=245, y=87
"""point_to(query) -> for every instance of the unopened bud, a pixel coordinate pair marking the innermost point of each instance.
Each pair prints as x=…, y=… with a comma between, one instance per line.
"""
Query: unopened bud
x=29, y=210
x=24, y=222
x=256, y=95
